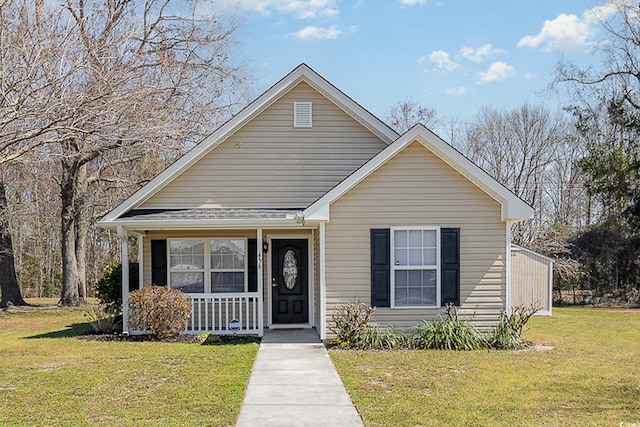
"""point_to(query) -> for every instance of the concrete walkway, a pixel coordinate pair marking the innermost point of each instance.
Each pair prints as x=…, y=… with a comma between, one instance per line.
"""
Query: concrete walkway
x=294, y=383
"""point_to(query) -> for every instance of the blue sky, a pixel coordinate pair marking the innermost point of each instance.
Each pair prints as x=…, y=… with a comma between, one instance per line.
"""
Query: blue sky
x=452, y=55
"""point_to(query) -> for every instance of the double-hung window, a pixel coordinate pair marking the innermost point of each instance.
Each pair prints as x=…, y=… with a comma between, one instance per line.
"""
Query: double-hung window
x=208, y=265
x=186, y=265
x=228, y=266
x=415, y=269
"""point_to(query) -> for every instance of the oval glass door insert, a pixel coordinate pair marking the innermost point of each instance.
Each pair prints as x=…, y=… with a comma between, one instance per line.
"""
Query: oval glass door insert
x=290, y=269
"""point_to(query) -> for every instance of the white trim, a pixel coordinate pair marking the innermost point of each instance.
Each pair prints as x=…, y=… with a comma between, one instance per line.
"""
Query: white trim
x=507, y=276
x=207, y=269
x=310, y=282
x=516, y=247
x=301, y=73
x=513, y=208
x=548, y=312
x=140, y=261
x=323, y=281
x=260, y=282
x=124, y=254
x=420, y=267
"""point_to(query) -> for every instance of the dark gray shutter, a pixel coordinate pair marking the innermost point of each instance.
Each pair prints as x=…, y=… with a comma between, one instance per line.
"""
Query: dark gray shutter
x=450, y=265
x=380, y=267
x=159, y=262
x=252, y=264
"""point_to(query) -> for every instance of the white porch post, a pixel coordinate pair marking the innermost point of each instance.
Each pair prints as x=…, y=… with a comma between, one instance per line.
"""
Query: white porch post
x=124, y=246
x=260, y=283
x=323, y=284
x=140, y=261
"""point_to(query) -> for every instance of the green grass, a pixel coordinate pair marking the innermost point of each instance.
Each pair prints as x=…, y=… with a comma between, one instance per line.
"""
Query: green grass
x=591, y=377
x=50, y=378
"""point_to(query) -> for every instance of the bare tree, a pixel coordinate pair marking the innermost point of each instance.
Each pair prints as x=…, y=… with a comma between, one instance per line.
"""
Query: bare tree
x=129, y=79
x=519, y=148
x=618, y=64
x=25, y=99
x=407, y=113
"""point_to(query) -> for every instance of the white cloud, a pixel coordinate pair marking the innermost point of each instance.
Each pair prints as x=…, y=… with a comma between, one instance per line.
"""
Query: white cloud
x=456, y=91
x=530, y=76
x=303, y=9
x=442, y=60
x=318, y=33
x=497, y=71
x=569, y=31
x=480, y=53
x=566, y=32
x=412, y=2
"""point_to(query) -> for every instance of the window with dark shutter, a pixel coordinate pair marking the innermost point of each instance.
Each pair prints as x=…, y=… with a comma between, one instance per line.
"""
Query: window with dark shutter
x=159, y=262
x=450, y=266
x=380, y=267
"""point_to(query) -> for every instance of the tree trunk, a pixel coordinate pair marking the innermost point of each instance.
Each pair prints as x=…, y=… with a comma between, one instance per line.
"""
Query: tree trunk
x=9, y=287
x=81, y=228
x=70, y=295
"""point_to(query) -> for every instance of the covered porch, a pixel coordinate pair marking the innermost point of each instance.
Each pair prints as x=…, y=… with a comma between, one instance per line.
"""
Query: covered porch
x=231, y=264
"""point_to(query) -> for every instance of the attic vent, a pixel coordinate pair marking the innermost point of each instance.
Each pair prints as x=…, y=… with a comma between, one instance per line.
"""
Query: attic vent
x=302, y=114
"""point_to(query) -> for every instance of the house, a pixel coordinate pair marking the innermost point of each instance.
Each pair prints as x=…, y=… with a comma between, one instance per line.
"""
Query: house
x=305, y=200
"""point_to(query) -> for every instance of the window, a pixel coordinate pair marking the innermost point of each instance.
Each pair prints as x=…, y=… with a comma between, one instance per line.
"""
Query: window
x=186, y=265
x=227, y=265
x=415, y=270
x=207, y=265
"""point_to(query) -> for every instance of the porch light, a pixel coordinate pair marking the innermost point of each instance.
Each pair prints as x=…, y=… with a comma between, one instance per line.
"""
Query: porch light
x=265, y=246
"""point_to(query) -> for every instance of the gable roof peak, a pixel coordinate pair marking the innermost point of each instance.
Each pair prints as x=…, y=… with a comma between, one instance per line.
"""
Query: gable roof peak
x=302, y=72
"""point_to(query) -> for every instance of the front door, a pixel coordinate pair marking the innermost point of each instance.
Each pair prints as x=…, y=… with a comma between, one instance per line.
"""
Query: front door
x=290, y=280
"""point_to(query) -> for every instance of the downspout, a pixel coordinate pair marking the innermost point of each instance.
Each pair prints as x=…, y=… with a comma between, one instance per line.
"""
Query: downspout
x=124, y=246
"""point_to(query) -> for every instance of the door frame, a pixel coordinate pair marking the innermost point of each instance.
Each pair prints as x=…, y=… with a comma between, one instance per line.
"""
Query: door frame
x=310, y=274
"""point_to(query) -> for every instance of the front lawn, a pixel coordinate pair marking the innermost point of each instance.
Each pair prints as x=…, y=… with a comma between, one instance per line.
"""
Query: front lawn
x=591, y=377
x=50, y=378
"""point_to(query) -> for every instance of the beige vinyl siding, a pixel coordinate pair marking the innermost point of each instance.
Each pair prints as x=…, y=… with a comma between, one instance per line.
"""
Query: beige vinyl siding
x=269, y=163
x=530, y=279
x=415, y=188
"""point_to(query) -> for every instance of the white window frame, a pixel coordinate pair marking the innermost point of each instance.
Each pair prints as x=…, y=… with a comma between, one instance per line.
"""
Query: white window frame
x=395, y=268
x=207, y=263
x=189, y=270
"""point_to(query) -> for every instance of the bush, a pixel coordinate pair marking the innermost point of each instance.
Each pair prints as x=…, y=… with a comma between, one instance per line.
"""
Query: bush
x=374, y=337
x=507, y=335
x=448, y=334
x=502, y=337
x=109, y=287
x=101, y=319
x=349, y=319
x=162, y=311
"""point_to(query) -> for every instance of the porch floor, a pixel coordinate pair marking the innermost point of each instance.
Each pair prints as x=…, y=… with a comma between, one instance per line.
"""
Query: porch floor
x=294, y=383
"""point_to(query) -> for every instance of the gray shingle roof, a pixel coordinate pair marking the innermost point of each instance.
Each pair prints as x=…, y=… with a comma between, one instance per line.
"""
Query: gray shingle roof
x=211, y=214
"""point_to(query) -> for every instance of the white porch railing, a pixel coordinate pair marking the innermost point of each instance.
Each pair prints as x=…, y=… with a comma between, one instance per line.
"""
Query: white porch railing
x=225, y=314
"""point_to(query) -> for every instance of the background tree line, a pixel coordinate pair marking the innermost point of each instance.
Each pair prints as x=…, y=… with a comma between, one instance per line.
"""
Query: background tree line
x=97, y=96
